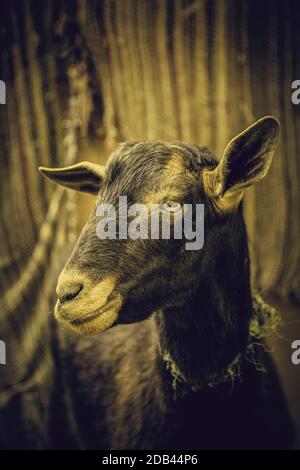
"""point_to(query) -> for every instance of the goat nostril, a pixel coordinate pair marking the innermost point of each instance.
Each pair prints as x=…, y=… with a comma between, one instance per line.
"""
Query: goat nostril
x=70, y=293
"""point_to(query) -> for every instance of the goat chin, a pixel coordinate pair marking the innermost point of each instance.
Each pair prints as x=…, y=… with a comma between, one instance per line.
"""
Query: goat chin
x=95, y=322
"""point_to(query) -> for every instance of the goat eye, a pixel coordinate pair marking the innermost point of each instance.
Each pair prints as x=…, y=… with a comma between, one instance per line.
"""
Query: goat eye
x=171, y=206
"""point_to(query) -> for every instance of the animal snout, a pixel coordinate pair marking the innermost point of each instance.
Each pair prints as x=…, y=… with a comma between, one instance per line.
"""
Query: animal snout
x=80, y=297
x=68, y=287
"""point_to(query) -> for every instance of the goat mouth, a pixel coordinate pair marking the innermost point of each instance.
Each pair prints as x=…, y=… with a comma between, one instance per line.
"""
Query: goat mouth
x=104, y=313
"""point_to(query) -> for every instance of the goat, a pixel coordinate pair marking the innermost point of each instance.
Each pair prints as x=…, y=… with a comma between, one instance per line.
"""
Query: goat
x=172, y=321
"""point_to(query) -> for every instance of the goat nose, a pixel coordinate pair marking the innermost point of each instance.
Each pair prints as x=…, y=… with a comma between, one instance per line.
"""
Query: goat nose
x=68, y=291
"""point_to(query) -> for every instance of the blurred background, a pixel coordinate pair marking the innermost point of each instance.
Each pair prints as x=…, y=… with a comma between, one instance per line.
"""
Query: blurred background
x=82, y=76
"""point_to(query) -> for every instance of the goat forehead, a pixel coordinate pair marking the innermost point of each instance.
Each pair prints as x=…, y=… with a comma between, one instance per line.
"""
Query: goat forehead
x=154, y=154
x=141, y=169
x=138, y=157
x=144, y=175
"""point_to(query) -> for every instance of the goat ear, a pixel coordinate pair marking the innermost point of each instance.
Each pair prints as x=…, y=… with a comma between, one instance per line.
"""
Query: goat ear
x=246, y=160
x=84, y=176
